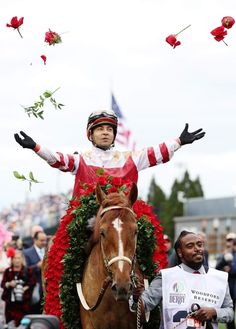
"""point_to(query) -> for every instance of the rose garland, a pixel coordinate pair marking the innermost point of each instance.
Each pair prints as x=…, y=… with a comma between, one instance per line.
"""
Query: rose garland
x=68, y=253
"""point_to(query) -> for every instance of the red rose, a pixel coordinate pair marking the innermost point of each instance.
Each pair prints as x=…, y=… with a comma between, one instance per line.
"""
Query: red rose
x=52, y=38
x=227, y=22
x=102, y=181
x=112, y=189
x=15, y=23
x=117, y=181
x=74, y=203
x=219, y=33
x=171, y=39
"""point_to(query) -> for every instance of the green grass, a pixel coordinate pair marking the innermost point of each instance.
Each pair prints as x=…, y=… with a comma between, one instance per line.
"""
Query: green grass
x=222, y=326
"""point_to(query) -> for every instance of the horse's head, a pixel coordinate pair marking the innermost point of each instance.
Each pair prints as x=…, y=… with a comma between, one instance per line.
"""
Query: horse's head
x=117, y=227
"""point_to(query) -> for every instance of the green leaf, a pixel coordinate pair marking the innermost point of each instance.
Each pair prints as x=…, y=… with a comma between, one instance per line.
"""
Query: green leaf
x=30, y=184
x=122, y=188
x=31, y=176
x=47, y=94
x=40, y=114
x=18, y=176
x=100, y=172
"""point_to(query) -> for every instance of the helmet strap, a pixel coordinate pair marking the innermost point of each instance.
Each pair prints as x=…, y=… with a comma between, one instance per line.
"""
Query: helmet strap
x=104, y=148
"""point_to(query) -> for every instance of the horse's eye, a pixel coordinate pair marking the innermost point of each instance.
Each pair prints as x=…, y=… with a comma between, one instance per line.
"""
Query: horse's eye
x=102, y=234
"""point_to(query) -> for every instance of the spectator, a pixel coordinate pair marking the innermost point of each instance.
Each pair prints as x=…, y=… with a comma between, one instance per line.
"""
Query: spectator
x=34, y=230
x=4, y=263
x=227, y=263
x=17, y=284
x=34, y=256
x=188, y=287
x=229, y=241
x=169, y=249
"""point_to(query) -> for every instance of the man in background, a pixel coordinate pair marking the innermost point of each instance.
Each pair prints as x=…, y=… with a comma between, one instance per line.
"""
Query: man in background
x=169, y=249
x=34, y=257
x=227, y=263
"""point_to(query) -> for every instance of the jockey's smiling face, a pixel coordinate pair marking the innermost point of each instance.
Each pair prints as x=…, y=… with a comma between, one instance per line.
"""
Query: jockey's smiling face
x=103, y=136
x=191, y=250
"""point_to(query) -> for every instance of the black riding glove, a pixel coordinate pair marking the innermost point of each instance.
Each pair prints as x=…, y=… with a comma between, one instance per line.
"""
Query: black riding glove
x=26, y=142
x=187, y=137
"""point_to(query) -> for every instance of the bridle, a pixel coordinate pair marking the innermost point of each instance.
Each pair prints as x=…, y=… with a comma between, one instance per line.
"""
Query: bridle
x=115, y=259
x=108, y=264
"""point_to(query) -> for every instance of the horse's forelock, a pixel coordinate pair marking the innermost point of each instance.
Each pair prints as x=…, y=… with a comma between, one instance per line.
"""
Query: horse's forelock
x=113, y=199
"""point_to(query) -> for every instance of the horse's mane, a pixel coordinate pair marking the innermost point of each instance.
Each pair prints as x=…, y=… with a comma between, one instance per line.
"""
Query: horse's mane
x=112, y=199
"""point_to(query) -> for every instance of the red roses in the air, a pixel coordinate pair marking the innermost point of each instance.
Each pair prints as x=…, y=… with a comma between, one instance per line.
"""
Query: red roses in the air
x=44, y=58
x=52, y=38
x=220, y=32
x=227, y=22
x=171, y=39
x=16, y=23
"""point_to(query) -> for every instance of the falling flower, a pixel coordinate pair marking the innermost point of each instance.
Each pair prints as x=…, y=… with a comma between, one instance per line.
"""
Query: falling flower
x=44, y=58
x=219, y=33
x=10, y=252
x=52, y=38
x=227, y=22
x=15, y=24
x=172, y=40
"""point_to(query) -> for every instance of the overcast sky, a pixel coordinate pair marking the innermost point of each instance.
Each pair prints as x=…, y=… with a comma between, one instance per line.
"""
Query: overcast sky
x=119, y=45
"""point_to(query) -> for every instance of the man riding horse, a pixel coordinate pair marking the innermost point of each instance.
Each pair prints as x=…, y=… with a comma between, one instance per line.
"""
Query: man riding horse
x=101, y=131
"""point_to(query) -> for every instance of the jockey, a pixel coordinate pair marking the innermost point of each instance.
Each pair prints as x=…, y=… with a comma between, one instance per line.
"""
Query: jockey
x=101, y=131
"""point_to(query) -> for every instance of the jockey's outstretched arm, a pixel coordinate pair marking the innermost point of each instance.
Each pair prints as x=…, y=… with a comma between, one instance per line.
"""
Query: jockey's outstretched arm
x=63, y=162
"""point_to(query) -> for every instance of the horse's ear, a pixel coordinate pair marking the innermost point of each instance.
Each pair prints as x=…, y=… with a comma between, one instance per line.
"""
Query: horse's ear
x=100, y=195
x=133, y=194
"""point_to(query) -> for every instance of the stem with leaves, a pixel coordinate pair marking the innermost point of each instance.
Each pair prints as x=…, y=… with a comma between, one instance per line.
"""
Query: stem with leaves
x=31, y=178
x=36, y=109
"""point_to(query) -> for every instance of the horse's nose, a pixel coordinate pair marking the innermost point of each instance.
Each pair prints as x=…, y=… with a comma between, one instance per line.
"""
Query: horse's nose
x=121, y=292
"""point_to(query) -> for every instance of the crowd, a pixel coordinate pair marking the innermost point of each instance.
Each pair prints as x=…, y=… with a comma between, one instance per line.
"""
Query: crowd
x=21, y=291
x=46, y=211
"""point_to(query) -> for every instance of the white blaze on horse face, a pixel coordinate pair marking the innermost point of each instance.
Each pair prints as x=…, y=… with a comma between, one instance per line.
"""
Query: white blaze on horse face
x=118, y=226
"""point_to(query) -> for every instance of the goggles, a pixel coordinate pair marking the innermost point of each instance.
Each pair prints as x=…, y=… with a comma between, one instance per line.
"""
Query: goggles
x=99, y=114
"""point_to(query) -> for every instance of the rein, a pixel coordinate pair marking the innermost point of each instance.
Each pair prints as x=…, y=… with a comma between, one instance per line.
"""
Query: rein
x=107, y=264
x=106, y=283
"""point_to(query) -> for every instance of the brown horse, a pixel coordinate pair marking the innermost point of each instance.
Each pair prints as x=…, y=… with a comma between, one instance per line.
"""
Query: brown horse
x=107, y=278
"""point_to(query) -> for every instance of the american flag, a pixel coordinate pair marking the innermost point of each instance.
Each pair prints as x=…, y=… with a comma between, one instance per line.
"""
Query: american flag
x=124, y=135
